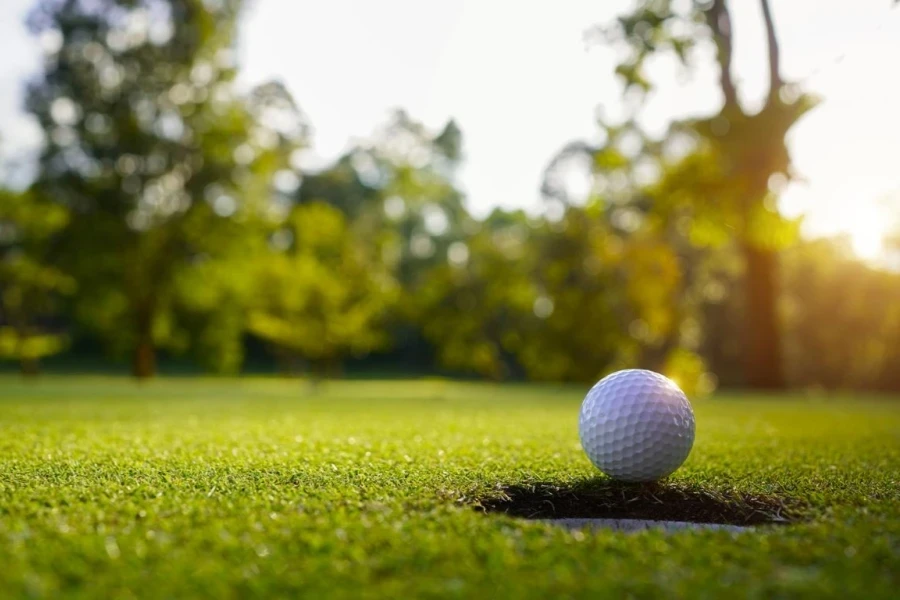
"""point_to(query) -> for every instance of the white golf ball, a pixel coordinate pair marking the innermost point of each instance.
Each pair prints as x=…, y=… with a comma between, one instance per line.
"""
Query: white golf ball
x=636, y=425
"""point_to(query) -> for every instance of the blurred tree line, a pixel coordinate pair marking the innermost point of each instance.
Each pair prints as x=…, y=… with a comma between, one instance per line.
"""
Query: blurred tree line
x=173, y=212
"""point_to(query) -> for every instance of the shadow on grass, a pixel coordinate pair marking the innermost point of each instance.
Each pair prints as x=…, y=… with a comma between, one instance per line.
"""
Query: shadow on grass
x=607, y=499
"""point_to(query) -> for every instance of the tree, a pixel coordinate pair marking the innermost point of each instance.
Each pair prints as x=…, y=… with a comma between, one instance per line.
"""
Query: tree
x=474, y=303
x=567, y=299
x=735, y=161
x=398, y=189
x=165, y=170
x=30, y=286
x=416, y=210
x=842, y=324
x=341, y=186
x=321, y=293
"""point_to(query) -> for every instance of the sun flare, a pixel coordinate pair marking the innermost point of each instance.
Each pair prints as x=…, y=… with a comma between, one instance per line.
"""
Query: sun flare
x=867, y=230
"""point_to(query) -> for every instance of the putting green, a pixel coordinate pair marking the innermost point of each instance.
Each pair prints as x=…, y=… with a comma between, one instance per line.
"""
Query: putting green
x=258, y=488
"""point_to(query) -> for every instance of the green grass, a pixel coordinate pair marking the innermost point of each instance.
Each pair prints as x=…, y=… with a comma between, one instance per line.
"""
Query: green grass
x=240, y=488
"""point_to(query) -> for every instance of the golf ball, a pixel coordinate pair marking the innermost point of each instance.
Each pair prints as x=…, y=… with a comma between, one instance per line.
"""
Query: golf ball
x=636, y=425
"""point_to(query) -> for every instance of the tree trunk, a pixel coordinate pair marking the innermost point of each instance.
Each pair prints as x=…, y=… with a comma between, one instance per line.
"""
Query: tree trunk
x=763, y=366
x=335, y=368
x=29, y=367
x=144, y=360
x=144, y=363
x=283, y=361
x=290, y=364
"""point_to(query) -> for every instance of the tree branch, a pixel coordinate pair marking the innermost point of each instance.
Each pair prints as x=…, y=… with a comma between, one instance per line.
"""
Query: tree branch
x=719, y=20
x=775, y=81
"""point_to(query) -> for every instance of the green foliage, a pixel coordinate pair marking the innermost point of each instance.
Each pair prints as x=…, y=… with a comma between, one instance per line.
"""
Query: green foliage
x=30, y=286
x=611, y=300
x=475, y=305
x=652, y=27
x=712, y=182
x=415, y=210
x=690, y=372
x=843, y=319
x=557, y=301
x=163, y=165
x=714, y=169
x=746, y=158
x=28, y=347
x=179, y=207
x=340, y=186
x=220, y=488
x=398, y=190
x=326, y=295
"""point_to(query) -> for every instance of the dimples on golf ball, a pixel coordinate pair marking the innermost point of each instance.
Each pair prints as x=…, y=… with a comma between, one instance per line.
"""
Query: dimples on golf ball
x=636, y=425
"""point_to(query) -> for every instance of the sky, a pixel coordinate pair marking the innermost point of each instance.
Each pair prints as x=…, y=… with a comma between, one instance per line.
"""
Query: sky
x=521, y=82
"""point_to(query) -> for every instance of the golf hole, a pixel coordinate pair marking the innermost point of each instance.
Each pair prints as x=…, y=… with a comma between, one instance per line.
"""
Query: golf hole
x=603, y=504
x=632, y=525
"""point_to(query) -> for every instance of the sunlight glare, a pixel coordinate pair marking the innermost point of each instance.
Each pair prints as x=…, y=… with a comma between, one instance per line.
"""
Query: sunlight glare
x=867, y=231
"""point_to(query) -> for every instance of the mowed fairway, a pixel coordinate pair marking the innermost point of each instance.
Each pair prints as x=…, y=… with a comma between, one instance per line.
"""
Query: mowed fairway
x=253, y=487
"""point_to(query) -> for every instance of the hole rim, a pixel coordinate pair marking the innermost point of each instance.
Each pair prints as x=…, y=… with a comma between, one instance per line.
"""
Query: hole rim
x=604, y=498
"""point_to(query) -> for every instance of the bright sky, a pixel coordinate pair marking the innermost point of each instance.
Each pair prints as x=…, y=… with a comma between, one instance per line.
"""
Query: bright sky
x=520, y=82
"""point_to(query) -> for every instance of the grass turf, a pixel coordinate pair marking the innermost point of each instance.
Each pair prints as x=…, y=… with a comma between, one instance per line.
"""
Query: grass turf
x=240, y=488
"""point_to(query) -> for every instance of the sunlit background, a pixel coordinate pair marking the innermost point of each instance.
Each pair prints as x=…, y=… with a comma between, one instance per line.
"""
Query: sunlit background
x=521, y=82
x=504, y=190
